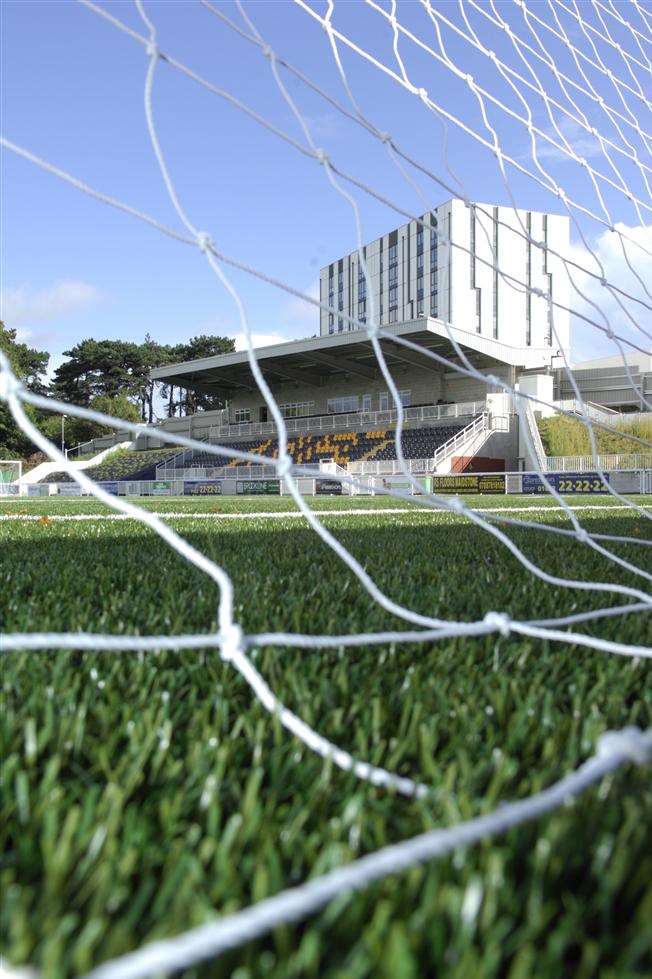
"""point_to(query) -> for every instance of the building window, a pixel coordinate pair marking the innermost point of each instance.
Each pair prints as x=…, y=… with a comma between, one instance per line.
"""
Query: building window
x=548, y=277
x=385, y=401
x=366, y=402
x=495, y=248
x=297, y=409
x=472, y=260
x=528, y=280
x=337, y=406
x=242, y=415
x=419, y=240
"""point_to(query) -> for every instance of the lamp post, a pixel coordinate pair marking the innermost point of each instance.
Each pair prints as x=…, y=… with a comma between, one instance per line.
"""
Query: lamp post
x=63, y=434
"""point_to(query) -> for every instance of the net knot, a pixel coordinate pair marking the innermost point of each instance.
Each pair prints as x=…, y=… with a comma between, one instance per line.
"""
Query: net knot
x=423, y=94
x=267, y=51
x=630, y=742
x=498, y=621
x=232, y=642
x=470, y=80
x=492, y=55
x=456, y=505
x=321, y=156
x=152, y=49
x=561, y=194
x=603, y=281
x=204, y=242
x=582, y=536
x=385, y=137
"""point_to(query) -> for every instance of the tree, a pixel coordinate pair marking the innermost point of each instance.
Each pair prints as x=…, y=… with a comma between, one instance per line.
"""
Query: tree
x=30, y=366
x=101, y=368
x=191, y=401
x=83, y=430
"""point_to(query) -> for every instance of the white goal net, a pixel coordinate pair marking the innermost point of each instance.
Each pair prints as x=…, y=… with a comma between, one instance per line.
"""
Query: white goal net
x=11, y=471
x=559, y=88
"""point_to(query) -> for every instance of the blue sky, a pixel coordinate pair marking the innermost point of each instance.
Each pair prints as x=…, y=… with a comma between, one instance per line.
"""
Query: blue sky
x=73, y=94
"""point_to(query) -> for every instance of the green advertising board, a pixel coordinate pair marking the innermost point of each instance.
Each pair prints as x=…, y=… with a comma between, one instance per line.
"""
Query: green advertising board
x=161, y=487
x=258, y=487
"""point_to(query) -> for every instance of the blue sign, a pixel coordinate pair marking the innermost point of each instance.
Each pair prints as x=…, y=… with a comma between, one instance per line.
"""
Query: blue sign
x=565, y=483
x=204, y=487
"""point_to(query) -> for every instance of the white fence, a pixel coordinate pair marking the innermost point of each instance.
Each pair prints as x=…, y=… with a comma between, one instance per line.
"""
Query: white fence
x=580, y=464
x=350, y=421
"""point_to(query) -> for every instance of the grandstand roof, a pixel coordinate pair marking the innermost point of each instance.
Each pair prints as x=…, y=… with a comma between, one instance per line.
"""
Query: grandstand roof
x=312, y=360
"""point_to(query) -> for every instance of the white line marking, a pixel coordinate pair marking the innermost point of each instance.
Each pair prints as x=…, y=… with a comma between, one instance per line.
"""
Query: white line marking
x=294, y=514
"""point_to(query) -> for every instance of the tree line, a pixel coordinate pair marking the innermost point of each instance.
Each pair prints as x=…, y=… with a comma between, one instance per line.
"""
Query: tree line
x=112, y=376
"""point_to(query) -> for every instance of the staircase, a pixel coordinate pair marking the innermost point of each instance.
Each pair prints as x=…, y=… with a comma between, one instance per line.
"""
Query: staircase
x=467, y=442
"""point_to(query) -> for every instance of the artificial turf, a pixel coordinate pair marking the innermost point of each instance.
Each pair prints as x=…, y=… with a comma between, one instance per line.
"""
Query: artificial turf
x=143, y=794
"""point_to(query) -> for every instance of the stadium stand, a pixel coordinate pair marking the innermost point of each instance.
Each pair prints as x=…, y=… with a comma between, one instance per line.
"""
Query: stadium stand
x=342, y=447
x=130, y=465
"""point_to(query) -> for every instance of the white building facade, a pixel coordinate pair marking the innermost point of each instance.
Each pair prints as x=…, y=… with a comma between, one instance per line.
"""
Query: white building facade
x=415, y=272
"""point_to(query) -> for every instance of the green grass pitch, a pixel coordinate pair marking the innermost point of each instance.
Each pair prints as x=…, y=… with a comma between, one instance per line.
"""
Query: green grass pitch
x=143, y=794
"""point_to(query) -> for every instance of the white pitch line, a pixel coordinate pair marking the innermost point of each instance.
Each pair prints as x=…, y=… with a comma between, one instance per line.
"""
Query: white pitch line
x=294, y=514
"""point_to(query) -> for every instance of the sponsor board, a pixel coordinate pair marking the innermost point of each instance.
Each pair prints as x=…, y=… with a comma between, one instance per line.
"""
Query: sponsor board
x=328, y=487
x=38, y=489
x=565, y=483
x=109, y=486
x=204, y=487
x=161, y=487
x=258, y=487
x=70, y=489
x=469, y=483
x=626, y=482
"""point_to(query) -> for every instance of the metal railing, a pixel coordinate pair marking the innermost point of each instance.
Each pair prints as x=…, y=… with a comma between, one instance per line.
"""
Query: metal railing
x=479, y=424
x=368, y=420
x=582, y=464
x=173, y=469
x=595, y=412
x=535, y=436
x=349, y=421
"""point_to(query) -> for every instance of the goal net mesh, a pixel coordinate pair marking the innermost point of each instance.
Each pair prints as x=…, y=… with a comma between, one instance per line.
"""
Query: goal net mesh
x=574, y=81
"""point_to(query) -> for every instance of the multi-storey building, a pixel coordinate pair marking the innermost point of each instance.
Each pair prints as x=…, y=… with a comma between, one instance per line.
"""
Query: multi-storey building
x=491, y=281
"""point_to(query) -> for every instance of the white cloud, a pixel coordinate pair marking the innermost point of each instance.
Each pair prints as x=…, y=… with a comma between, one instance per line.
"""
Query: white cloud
x=586, y=341
x=23, y=307
x=259, y=340
x=581, y=142
x=300, y=317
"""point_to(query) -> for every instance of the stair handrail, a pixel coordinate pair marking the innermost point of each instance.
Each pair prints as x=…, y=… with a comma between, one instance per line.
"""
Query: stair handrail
x=479, y=424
